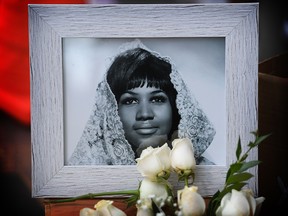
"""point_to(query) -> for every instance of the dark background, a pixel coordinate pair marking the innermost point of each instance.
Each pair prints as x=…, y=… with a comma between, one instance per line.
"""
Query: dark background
x=15, y=137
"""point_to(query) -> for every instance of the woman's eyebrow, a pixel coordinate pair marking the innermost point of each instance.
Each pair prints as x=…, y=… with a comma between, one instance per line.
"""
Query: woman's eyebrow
x=130, y=92
x=157, y=91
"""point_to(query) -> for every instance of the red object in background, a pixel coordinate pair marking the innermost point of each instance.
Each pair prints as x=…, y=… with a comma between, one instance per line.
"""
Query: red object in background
x=14, y=56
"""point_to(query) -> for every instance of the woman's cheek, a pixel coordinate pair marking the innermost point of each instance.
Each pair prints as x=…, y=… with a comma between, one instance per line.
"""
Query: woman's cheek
x=164, y=116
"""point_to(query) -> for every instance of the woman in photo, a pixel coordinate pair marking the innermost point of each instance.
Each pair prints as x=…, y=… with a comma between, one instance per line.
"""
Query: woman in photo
x=141, y=102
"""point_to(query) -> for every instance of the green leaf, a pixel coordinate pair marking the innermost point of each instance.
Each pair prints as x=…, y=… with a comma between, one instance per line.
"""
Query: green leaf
x=181, y=178
x=215, y=197
x=243, y=158
x=237, y=186
x=131, y=200
x=240, y=177
x=239, y=149
x=235, y=167
x=258, y=140
x=169, y=190
x=247, y=165
x=213, y=204
x=255, y=133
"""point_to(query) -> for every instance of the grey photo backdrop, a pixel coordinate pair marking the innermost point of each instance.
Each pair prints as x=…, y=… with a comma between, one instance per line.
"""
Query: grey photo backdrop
x=200, y=61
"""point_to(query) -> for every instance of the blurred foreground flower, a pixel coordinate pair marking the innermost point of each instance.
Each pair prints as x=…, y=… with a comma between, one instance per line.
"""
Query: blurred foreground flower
x=190, y=202
x=103, y=208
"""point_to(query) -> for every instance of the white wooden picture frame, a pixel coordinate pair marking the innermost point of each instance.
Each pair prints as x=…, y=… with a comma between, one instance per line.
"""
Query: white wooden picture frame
x=49, y=24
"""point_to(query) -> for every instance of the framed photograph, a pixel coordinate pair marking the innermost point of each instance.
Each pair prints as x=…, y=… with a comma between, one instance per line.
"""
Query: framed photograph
x=214, y=48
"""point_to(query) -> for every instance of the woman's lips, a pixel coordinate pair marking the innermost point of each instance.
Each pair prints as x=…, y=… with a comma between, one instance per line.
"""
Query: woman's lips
x=146, y=130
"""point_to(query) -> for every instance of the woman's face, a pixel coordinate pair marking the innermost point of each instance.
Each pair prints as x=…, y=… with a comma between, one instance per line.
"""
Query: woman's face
x=145, y=112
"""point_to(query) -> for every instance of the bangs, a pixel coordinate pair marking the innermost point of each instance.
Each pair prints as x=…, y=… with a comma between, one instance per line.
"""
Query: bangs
x=148, y=79
x=152, y=76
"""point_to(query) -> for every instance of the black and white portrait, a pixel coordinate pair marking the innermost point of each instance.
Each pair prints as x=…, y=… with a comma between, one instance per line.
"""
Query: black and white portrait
x=123, y=95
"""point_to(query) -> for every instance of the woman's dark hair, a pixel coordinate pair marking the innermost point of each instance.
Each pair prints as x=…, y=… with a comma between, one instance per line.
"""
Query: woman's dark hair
x=134, y=67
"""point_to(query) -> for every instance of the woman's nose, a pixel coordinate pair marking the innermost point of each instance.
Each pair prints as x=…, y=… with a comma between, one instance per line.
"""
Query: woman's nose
x=144, y=112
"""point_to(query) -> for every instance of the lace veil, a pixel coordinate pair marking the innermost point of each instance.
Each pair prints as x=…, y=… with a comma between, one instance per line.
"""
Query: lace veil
x=103, y=141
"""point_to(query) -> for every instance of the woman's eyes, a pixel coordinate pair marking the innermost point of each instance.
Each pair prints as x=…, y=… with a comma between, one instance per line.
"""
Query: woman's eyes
x=128, y=101
x=153, y=99
x=158, y=99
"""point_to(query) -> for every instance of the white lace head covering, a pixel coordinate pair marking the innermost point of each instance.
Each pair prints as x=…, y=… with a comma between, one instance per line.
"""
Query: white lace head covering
x=103, y=140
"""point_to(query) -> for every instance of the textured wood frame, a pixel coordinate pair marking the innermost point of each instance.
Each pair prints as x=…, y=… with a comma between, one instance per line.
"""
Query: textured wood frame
x=48, y=24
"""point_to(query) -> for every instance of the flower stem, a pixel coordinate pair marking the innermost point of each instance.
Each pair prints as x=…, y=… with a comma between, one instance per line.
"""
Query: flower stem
x=93, y=195
x=186, y=181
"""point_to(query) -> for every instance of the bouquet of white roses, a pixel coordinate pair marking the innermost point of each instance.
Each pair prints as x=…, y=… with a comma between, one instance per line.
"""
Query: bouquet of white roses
x=155, y=194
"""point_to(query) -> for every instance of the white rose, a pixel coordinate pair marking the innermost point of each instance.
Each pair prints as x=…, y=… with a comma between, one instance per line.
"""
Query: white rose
x=254, y=203
x=182, y=155
x=236, y=203
x=153, y=190
x=105, y=208
x=190, y=202
x=251, y=200
x=154, y=162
